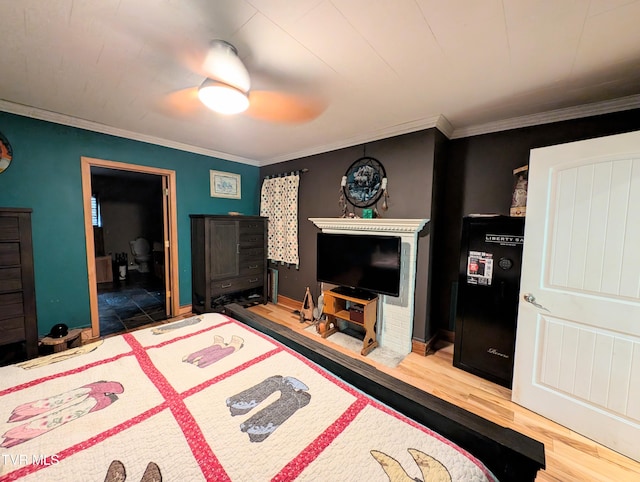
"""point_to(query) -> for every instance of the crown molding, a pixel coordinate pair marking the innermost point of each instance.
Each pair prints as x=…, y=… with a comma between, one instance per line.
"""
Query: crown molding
x=438, y=121
x=558, y=115
x=444, y=126
x=70, y=121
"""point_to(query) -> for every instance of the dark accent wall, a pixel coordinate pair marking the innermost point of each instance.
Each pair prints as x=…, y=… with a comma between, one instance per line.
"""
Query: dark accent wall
x=410, y=163
x=479, y=179
x=432, y=177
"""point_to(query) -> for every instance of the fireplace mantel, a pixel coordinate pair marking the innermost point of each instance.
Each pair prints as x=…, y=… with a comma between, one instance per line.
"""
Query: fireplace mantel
x=409, y=226
x=396, y=312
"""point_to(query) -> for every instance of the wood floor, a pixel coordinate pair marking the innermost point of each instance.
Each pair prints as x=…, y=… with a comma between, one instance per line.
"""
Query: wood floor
x=569, y=456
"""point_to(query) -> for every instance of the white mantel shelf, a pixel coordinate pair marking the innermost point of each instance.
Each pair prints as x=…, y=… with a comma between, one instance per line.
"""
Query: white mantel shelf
x=395, y=313
x=376, y=224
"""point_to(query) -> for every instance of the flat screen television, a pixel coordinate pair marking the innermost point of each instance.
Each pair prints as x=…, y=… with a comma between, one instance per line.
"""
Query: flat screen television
x=359, y=264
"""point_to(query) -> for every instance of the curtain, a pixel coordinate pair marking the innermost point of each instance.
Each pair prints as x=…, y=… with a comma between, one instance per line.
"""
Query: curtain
x=279, y=203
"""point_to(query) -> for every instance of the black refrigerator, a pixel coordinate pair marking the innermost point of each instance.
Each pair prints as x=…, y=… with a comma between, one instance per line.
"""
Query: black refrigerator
x=488, y=291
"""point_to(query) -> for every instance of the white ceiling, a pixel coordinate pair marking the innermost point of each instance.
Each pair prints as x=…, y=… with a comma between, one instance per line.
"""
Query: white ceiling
x=380, y=67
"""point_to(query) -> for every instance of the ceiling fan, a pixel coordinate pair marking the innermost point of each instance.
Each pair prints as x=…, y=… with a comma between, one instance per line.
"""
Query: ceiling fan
x=226, y=89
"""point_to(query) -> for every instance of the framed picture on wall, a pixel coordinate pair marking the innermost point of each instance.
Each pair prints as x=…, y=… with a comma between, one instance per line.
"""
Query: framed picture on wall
x=225, y=184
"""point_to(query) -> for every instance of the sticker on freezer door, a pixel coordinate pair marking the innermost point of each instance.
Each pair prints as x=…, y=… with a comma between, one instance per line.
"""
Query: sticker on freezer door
x=479, y=268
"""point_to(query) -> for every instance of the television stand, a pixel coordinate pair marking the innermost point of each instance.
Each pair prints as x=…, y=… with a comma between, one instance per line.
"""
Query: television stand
x=354, y=293
x=361, y=312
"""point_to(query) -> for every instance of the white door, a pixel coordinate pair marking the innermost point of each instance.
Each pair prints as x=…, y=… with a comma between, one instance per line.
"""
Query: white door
x=577, y=357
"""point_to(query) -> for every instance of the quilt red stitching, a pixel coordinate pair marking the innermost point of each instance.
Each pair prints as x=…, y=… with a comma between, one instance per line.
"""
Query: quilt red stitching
x=238, y=369
x=37, y=381
x=90, y=442
x=188, y=335
x=295, y=467
x=209, y=464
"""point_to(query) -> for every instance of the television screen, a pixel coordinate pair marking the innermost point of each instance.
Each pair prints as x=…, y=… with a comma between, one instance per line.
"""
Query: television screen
x=368, y=263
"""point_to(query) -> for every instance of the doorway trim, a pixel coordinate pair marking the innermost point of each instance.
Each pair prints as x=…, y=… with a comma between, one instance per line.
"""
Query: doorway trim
x=170, y=220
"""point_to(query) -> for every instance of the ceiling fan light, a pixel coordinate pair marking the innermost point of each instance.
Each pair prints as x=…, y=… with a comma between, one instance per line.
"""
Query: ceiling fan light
x=222, y=98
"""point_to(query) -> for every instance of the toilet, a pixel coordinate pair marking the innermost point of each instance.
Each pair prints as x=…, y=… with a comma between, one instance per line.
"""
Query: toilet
x=141, y=254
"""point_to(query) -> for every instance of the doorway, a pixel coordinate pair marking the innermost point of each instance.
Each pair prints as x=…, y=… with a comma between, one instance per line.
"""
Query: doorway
x=128, y=291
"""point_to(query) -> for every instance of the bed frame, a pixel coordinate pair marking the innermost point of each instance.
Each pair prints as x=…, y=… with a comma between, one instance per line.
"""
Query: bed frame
x=510, y=455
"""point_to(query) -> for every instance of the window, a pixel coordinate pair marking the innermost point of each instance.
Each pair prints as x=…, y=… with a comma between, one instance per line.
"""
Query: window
x=96, y=216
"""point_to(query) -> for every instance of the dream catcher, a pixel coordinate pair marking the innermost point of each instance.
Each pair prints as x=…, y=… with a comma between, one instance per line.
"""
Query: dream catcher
x=363, y=185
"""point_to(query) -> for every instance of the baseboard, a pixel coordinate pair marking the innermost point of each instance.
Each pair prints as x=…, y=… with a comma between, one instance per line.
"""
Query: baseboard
x=289, y=302
x=86, y=336
x=424, y=348
x=419, y=347
x=447, y=335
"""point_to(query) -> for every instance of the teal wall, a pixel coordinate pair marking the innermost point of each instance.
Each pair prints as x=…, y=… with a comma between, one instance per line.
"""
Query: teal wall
x=45, y=176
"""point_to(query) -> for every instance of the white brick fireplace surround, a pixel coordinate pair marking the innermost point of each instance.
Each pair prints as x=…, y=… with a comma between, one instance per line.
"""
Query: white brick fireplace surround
x=395, y=314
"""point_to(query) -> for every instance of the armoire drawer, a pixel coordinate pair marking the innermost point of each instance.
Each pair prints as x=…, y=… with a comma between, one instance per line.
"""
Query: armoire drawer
x=236, y=284
x=251, y=253
x=251, y=227
x=252, y=267
x=251, y=240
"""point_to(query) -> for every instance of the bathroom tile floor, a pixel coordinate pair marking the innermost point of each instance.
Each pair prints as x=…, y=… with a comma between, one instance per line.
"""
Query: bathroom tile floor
x=132, y=303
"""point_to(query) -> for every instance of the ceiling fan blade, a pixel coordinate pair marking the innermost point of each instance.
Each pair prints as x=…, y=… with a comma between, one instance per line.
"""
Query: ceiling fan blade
x=286, y=108
x=182, y=103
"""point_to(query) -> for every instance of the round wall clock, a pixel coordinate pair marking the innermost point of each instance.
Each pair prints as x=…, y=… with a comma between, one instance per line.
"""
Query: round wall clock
x=363, y=185
x=6, y=153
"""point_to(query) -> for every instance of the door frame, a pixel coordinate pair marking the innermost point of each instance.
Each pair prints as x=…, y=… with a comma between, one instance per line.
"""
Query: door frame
x=170, y=223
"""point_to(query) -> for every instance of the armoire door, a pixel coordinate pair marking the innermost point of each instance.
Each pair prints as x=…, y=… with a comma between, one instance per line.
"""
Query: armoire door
x=224, y=244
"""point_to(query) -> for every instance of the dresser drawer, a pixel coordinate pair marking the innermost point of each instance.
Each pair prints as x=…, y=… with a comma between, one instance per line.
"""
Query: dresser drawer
x=11, y=306
x=18, y=320
x=236, y=284
x=10, y=279
x=9, y=228
x=12, y=330
x=9, y=254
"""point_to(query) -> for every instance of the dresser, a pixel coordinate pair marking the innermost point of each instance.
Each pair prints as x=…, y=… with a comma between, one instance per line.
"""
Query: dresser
x=18, y=322
x=228, y=261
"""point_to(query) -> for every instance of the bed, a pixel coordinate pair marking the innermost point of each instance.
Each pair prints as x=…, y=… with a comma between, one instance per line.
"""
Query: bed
x=213, y=397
